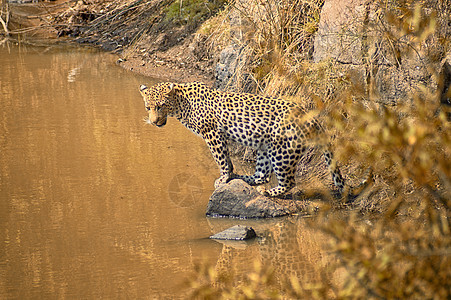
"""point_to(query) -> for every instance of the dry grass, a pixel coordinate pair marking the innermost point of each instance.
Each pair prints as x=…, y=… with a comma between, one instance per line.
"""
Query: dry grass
x=404, y=252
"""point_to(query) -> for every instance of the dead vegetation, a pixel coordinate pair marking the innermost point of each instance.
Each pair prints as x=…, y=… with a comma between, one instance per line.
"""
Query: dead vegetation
x=112, y=25
x=405, y=251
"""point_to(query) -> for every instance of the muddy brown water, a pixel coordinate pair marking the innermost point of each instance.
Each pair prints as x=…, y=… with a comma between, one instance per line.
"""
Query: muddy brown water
x=94, y=203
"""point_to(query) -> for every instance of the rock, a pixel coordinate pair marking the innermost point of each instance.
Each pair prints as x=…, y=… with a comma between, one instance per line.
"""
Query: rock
x=229, y=59
x=445, y=84
x=240, y=200
x=341, y=21
x=236, y=233
x=354, y=33
x=231, y=72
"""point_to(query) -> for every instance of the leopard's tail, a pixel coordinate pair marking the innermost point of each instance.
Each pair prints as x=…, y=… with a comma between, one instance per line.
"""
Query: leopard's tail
x=345, y=192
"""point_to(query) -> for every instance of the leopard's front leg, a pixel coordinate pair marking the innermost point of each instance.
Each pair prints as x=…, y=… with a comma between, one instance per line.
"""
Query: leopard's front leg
x=217, y=144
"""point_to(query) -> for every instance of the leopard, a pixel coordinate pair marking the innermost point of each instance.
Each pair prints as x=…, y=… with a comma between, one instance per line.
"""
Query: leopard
x=279, y=130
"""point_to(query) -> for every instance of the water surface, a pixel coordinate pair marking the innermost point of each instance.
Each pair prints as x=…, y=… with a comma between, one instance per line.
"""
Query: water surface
x=94, y=203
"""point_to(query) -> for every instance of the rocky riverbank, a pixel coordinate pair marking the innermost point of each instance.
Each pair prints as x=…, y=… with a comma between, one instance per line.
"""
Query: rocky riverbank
x=320, y=53
x=148, y=36
x=213, y=42
x=219, y=42
x=380, y=71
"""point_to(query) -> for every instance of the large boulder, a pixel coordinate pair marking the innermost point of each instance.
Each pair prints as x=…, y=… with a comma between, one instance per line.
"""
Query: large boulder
x=231, y=59
x=362, y=36
x=340, y=28
x=231, y=72
x=240, y=200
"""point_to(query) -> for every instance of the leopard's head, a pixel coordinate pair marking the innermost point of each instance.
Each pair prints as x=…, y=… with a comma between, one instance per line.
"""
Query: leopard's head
x=159, y=102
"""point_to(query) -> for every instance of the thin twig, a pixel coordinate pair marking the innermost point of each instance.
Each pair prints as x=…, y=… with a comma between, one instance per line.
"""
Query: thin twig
x=5, y=22
x=114, y=14
x=5, y=26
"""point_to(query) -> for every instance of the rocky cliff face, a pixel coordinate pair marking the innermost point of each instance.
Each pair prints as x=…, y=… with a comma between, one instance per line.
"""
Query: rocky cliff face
x=340, y=31
x=361, y=34
x=373, y=44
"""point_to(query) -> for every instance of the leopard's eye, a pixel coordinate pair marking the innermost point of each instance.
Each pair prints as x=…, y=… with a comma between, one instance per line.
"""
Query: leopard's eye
x=147, y=108
x=157, y=108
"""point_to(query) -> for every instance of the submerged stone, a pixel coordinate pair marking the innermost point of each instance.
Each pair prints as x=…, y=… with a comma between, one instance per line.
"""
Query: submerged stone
x=240, y=200
x=236, y=233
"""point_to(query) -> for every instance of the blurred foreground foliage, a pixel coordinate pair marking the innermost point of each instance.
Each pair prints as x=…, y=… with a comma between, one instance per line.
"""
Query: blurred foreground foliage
x=404, y=251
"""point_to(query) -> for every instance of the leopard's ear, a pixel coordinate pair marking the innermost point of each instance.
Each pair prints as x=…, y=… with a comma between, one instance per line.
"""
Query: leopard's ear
x=143, y=89
x=171, y=88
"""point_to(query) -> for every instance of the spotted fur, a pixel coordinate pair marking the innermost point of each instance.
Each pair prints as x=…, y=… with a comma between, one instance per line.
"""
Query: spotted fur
x=278, y=129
